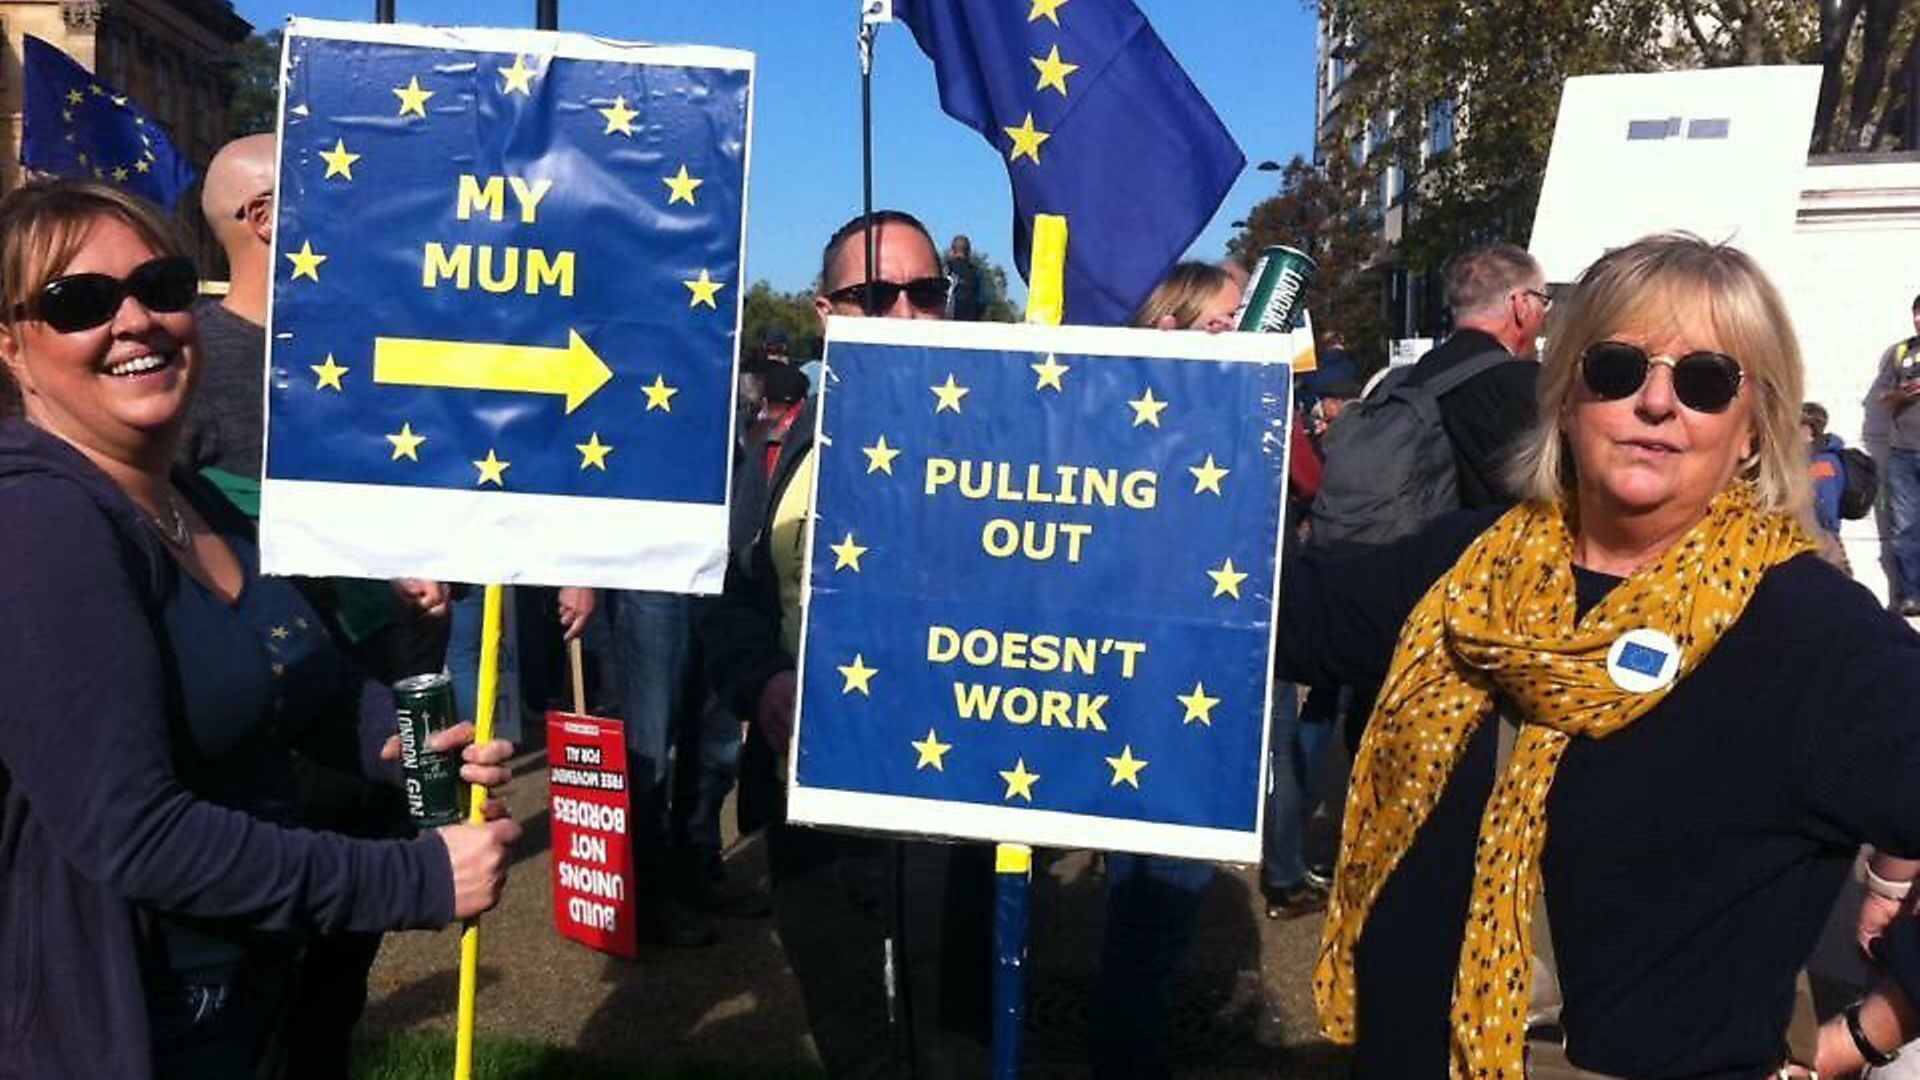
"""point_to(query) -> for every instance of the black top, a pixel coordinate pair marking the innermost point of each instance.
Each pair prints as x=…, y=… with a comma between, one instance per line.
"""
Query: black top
x=1483, y=416
x=226, y=416
x=1692, y=857
x=257, y=676
x=95, y=816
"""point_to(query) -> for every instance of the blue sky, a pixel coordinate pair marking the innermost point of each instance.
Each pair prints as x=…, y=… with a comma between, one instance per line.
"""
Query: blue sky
x=1252, y=58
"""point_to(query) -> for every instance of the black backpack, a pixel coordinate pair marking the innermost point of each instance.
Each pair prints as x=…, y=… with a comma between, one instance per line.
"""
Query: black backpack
x=1862, y=475
x=1390, y=466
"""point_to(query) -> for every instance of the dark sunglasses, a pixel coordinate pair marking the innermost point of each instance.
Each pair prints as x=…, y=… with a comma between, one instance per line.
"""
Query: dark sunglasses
x=924, y=293
x=1705, y=382
x=77, y=302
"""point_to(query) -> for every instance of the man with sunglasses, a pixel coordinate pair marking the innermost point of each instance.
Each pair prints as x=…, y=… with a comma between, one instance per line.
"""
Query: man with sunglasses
x=890, y=940
x=1890, y=408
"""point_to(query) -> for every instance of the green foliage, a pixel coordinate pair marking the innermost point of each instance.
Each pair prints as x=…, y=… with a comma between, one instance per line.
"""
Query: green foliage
x=1503, y=63
x=1313, y=213
x=256, y=77
x=995, y=307
x=767, y=308
x=416, y=1056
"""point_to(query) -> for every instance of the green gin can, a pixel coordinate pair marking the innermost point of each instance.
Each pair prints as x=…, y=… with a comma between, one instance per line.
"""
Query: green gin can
x=424, y=704
x=1276, y=291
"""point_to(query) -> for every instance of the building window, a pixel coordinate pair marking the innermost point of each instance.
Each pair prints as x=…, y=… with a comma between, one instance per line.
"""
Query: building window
x=163, y=75
x=1440, y=127
x=1642, y=130
x=114, y=69
x=202, y=111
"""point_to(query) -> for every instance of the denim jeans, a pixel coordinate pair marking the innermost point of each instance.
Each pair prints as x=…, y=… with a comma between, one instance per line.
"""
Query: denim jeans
x=463, y=662
x=1903, y=506
x=225, y=1020
x=1153, y=903
x=1293, y=749
x=707, y=753
x=652, y=634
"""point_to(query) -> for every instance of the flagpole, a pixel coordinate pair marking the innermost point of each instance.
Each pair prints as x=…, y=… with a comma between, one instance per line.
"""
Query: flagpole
x=872, y=14
x=1013, y=863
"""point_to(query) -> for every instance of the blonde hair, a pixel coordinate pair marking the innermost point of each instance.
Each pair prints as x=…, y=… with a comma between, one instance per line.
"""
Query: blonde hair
x=1183, y=294
x=1676, y=281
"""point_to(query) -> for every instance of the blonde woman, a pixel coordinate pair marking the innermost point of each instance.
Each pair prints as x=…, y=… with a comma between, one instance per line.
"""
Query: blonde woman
x=1639, y=695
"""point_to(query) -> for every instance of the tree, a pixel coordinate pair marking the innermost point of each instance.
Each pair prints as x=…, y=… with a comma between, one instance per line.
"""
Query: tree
x=256, y=85
x=1500, y=65
x=995, y=307
x=791, y=313
x=1313, y=213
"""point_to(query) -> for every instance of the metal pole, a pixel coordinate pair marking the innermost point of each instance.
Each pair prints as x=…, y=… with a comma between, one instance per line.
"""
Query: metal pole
x=868, y=30
x=383, y=11
x=1013, y=873
x=546, y=15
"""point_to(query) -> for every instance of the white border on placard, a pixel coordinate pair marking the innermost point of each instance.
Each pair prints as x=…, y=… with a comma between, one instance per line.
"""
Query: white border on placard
x=376, y=530
x=1016, y=825
x=574, y=46
x=1087, y=340
x=1009, y=824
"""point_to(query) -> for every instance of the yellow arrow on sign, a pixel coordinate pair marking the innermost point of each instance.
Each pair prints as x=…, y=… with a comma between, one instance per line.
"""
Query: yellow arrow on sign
x=575, y=372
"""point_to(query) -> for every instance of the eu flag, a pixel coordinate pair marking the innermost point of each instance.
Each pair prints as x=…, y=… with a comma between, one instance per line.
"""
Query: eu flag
x=78, y=126
x=1098, y=123
x=1042, y=585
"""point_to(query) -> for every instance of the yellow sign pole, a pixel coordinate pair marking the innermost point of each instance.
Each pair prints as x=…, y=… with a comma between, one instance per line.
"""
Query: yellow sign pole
x=1047, y=270
x=476, y=813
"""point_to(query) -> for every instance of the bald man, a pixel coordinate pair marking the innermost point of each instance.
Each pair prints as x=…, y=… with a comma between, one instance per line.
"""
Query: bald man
x=224, y=419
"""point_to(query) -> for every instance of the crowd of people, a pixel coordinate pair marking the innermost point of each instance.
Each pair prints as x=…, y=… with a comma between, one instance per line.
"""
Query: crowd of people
x=1617, y=724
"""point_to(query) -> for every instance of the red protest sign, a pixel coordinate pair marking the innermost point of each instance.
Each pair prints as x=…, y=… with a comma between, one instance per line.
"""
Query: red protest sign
x=592, y=851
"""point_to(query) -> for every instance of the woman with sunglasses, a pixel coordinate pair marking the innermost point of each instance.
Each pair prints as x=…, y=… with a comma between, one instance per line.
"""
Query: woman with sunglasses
x=152, y=688
x=1633, y=728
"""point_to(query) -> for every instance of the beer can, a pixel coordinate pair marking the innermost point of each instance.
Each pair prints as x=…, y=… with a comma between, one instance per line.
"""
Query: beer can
x=424, y=705
x=1276, y=291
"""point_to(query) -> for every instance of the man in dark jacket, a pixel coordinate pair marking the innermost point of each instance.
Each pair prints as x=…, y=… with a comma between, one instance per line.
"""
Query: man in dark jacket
x=1499, y=299
x=891, y=940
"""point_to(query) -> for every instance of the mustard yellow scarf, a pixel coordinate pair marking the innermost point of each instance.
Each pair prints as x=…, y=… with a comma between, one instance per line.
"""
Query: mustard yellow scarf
x=1502, y=621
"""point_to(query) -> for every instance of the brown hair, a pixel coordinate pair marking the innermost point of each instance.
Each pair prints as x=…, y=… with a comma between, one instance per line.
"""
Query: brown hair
x=43, y=224
x=1671, y=279
x=42, y=227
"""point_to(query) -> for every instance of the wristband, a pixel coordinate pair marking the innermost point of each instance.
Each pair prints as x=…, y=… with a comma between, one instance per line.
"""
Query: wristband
x=1884, y=889
x=1873, y=1057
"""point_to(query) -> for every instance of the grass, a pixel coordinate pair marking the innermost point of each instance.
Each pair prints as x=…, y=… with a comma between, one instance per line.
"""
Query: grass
x=412, y=1056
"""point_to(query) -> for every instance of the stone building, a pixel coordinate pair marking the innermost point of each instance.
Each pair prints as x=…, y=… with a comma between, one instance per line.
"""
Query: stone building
x=174, y=57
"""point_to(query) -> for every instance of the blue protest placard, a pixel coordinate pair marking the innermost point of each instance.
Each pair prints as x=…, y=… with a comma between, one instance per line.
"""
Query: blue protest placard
x=505, y=306
x=1042, y=585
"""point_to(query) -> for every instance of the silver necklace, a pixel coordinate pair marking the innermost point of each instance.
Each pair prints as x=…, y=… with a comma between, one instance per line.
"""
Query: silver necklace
x=174, y=529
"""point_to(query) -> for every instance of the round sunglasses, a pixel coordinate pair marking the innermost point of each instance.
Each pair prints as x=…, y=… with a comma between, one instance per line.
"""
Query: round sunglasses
x=75, y=302
x=1705, y=382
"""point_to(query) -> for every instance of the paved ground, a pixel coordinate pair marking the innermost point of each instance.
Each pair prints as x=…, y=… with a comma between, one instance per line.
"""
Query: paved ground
x=1242, y=1006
